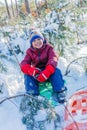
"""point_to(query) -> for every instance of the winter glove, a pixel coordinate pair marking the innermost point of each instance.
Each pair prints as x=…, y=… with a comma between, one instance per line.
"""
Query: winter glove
x=45, y=74
x=30, y=70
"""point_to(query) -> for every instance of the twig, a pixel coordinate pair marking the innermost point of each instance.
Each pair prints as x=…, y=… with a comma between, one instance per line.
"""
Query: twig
x=82, y=88
x=13, y=103
x=67, y=69
x=7, y=98
x=27, y=95
x=71, y=116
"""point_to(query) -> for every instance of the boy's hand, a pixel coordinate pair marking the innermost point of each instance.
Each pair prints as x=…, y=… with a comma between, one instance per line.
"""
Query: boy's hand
x=31, y=70
x=45, y=74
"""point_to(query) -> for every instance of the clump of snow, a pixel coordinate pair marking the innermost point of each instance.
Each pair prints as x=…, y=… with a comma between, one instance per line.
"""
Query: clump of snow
x=76, y=71
x=41, y=115
x=62, y=64
x=83, y=51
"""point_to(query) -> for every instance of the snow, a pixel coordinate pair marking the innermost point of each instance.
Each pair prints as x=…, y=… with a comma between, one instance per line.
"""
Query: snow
x=13, y=80
x=12, y=83
x=10, y=117
x=83, y=51
x=41, y=115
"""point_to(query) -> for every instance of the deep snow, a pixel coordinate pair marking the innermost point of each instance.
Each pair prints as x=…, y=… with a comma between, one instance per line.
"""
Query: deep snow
x=12, y=84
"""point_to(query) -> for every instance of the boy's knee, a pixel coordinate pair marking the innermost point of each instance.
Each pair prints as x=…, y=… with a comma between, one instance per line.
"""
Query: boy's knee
x=58, y=71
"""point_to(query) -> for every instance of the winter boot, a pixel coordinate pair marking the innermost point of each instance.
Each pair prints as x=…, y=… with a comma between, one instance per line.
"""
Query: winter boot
x=61, y=96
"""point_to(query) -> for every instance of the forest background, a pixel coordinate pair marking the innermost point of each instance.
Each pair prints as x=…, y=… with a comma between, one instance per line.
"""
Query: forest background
x=64, y=24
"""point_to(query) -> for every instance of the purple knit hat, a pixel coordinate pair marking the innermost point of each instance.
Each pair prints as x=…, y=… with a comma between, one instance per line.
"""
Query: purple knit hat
x=35, y=35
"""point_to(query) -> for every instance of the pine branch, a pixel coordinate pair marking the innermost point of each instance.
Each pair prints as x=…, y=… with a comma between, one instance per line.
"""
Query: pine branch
x=32, y=97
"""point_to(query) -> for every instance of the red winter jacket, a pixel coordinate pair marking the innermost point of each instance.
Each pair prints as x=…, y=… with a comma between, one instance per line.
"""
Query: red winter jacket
x=40, y=58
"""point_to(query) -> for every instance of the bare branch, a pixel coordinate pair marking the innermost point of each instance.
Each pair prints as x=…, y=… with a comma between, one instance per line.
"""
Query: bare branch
x=67, y=69
x=21, y=95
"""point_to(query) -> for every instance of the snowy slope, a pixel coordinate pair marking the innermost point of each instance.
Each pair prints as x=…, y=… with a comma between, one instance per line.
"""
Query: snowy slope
x=12, y=84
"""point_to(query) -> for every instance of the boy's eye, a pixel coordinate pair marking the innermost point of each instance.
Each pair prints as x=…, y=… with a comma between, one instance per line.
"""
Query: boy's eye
x=37, y=39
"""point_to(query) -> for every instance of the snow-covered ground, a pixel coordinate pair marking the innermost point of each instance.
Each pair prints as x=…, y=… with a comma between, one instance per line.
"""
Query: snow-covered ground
x=11, y=83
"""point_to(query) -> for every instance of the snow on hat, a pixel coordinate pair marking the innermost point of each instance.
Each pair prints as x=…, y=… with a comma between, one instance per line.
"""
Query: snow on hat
x=35, y=35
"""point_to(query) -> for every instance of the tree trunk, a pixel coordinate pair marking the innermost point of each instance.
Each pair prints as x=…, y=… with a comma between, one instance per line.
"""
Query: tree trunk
x=46, y=4
x=12, y=8
x=27, y=6
x=16, y=7
x=8, y=12
x=37, y=8
x=82, y=4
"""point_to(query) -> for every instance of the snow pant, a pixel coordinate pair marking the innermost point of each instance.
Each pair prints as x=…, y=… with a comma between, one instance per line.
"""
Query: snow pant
x=32, y=85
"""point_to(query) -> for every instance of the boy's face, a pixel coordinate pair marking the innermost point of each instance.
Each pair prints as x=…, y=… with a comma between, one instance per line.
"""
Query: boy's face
x=37, y=43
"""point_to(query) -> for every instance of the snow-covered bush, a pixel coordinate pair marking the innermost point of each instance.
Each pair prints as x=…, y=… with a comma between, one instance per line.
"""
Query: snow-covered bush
x=3, y=89
x=38, y=113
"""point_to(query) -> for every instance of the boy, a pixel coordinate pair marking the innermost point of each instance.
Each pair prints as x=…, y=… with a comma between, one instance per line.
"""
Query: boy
x=39, y=65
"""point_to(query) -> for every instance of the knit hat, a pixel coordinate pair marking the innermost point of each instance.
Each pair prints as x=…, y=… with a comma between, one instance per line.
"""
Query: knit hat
x=35, y=35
